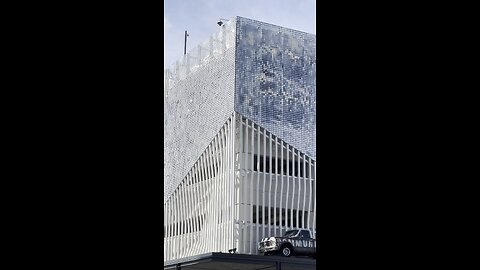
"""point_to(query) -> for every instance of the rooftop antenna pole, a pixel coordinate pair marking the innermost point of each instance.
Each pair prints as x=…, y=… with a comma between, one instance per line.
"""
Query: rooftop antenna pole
x=185, y=47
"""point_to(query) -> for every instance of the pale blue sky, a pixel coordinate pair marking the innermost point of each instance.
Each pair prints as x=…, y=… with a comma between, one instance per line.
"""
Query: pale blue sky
x=199, y=18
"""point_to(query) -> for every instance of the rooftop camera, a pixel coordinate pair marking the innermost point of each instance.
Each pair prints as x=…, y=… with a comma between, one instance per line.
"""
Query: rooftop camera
x=220, y=21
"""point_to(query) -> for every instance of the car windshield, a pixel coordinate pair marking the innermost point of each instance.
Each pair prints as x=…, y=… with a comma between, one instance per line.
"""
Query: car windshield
x=290, y=233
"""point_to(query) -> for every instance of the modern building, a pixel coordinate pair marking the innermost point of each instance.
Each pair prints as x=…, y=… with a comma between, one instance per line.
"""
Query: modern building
x=240, y=144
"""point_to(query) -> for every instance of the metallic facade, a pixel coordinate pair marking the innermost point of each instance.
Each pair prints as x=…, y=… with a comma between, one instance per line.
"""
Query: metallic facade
x=239, y=130
x=198, y=99
x=276, y=81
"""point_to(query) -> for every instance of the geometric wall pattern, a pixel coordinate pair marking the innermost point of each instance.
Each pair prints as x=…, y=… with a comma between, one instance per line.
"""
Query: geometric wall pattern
x=262, y=71
x=239, y=139
x=276, y=186
x=199, y=215
x=247, y=185
x=275, y=81
x=198, y=99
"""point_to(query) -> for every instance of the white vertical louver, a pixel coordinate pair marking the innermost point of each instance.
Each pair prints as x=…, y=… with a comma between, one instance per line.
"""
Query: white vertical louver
x=239, y=191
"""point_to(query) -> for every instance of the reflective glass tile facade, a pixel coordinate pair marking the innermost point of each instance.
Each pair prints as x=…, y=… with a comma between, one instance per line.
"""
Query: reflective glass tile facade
x=265, y=72
x=275, y=81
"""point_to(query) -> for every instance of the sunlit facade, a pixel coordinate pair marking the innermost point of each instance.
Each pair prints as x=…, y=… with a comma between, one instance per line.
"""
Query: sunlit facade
x=240, y=145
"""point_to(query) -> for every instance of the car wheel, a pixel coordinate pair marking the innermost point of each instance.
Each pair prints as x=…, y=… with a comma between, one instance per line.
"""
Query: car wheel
x=286, y=251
